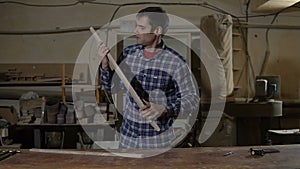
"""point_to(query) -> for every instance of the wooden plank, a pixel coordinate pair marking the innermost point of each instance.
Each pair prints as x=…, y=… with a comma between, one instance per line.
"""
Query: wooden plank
x=84, y=153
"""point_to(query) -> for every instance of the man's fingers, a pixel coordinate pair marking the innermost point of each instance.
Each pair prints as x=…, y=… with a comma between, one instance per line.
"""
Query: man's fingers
x=150, y=110
x=146, y=112
x=146, y=106
x=149, y=113
x=103, y=50
x=146, y=102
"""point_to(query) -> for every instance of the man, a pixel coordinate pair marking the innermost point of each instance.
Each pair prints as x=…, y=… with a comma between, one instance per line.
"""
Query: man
x=161, y=78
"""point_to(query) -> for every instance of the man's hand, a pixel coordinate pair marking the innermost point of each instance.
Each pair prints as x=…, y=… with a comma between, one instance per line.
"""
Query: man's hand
x=152, y=111
x=103, y=51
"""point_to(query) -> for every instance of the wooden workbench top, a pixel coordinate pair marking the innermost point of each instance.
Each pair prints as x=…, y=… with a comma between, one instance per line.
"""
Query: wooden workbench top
x=177, y=158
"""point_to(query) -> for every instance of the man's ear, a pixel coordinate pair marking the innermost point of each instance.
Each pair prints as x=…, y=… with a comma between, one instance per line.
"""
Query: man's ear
x=158, y=30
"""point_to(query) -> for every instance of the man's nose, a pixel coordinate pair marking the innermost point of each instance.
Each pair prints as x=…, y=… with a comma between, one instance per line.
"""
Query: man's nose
x=136, y=30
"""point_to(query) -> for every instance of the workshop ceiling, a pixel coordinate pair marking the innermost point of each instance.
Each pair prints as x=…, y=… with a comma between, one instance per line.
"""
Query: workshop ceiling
x=272, y=5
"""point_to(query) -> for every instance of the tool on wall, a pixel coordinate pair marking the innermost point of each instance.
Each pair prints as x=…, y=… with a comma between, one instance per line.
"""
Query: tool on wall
x=127, y=84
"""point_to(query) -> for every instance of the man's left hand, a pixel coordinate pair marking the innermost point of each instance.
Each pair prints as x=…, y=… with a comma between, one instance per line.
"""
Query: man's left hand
x=152, y=111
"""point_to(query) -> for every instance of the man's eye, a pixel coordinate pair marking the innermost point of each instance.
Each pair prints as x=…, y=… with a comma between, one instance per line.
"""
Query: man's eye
x=141, y=27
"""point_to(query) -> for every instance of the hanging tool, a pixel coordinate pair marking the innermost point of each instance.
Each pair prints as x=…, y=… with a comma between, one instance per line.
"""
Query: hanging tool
x=119, y=72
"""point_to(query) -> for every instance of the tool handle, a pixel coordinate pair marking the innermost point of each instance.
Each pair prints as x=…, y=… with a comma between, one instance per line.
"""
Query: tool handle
x=126, y=83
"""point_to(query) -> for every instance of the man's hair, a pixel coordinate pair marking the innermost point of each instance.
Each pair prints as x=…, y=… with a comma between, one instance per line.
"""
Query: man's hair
x=157, y=17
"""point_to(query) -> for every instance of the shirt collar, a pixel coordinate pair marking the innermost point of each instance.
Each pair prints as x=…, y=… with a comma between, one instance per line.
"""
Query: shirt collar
x=163, y=45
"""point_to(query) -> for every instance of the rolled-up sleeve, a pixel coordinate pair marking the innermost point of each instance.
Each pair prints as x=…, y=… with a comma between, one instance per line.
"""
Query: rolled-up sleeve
x=105, y=79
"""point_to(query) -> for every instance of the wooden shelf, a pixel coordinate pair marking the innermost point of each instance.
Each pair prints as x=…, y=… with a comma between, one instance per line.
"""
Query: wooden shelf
x=82, y=86
x=54, y=85
x=30, y=83
x=237, y=87
x=237, y=69
x=236, y=49
x=235, y=34
x=66, y=125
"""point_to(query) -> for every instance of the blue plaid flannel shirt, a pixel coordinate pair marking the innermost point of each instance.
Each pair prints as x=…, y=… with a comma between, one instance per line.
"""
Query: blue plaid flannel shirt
x=168, y=81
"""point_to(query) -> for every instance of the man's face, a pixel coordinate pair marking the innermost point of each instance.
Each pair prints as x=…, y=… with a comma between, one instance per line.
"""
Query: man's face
x=143, y=31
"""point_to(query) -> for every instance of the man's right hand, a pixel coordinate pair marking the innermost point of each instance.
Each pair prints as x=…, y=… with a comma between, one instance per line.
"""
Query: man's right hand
x=103, y=51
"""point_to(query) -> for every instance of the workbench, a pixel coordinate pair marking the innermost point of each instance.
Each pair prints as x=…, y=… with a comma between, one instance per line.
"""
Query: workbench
x=253, y=120
x=177, y=158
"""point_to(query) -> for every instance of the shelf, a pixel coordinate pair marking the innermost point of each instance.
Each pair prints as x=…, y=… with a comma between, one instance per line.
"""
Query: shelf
x=234, y=34
x=237, y=69
x=236, y=49
x=66, y=125
x=29, y=83
x=50, y=85
x=237, y=87
x=85, y=86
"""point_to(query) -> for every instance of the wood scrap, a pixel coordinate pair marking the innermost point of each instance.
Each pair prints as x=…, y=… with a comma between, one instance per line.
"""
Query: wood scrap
x=93, y=153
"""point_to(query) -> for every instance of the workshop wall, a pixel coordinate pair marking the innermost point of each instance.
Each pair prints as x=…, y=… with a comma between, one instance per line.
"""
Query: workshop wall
x=65, y=47
x=284, y=52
